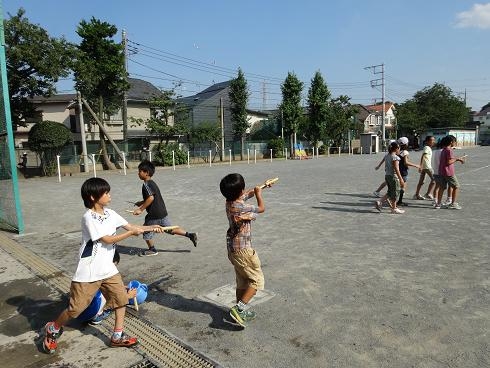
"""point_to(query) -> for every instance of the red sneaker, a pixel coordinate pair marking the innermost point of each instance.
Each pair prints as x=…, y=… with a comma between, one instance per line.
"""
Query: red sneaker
x=124, y=341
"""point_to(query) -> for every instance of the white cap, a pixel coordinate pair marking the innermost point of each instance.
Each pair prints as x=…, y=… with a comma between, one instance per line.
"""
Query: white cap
x=403, y=140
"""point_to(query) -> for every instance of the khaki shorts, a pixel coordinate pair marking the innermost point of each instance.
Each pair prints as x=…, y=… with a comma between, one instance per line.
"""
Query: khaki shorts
x=424, y=172
x=247, y=269
x=82, y=293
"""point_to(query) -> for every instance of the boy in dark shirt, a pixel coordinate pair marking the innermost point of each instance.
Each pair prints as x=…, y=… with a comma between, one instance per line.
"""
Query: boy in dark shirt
x=155, y=208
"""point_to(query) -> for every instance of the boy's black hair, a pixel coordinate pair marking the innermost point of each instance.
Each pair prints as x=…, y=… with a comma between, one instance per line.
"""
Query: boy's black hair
x=231, y=186
x=92, y=190
x=393, y=147
x=117, y=257
x=147, y=166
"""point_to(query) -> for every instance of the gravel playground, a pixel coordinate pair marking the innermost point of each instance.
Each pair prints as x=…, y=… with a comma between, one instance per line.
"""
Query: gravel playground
x=346, y=286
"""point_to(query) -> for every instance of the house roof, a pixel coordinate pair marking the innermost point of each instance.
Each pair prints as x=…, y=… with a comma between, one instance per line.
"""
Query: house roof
x=379, y=108
x=139, y=90
x=205, y=94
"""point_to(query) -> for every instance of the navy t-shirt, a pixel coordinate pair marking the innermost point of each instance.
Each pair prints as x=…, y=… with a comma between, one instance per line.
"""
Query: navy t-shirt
x=156, y=210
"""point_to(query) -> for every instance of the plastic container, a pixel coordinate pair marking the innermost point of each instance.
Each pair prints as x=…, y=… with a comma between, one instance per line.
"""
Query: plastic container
x=92, y=309
x=141, y=291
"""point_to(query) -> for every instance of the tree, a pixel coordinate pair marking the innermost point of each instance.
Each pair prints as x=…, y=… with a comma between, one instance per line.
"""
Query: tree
x=100, y=73
x=291, y=110
x=340, y=120
x=432, y=107
x=48, y=138
x=35, y=62
x=238, y=95
x=318, y=109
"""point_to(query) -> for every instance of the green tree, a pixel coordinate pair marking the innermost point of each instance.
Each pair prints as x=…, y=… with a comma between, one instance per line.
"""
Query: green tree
x=318, y=109
x=100, y=74
x=35, y=62
x=340, y=120
x=432, y=107
x=238, y=95
x=48, y=138
x=291, y=110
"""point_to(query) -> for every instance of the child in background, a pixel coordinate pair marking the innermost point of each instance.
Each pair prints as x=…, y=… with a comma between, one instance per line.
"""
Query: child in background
x=393, y=179
x=404, y=164
x=242, y=255
x=426, y=169
x=447, y=172
x=95, y=268
x=155, y=207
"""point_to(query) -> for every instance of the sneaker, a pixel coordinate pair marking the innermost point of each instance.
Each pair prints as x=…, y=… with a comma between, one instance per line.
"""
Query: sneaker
x=430, y=197
x=418, y=197
x=50, y=336
x=193, y=238
x=149, y=252
x=124, y=341
x=397, y=211
x=377, y=194
x=378, y=205
x=97, y=320
x=454, y=206
x=237, y=316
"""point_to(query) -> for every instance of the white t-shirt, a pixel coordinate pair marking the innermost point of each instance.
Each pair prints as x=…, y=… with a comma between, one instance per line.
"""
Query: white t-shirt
x=436, y=160
x=95, y=258
x=427, y=159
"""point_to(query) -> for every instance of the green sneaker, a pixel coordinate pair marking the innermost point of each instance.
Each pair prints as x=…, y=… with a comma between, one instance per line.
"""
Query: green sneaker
x=241, y=317
x=236, y=315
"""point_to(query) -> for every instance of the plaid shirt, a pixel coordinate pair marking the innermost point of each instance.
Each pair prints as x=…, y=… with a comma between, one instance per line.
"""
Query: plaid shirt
x=240, y=216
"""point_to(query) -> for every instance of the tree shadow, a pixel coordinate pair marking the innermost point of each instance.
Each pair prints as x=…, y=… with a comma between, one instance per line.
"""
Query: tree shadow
x=220, y=317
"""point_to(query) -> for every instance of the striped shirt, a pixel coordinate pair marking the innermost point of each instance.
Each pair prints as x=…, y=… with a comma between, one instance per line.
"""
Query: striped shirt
x=240, y=216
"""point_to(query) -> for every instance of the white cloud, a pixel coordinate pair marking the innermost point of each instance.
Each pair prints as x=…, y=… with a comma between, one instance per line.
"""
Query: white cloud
x=477, y=17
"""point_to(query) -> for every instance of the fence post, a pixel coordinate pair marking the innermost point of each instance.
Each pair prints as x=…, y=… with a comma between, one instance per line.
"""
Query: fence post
x=59, y=168
x=93, y=162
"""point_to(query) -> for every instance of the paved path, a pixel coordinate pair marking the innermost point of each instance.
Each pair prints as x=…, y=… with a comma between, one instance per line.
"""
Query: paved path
x=353, y=288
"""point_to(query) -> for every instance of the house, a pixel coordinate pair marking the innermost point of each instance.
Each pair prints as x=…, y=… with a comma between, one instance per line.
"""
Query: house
x=483, y=119
x=62, y=108
x=371, y=117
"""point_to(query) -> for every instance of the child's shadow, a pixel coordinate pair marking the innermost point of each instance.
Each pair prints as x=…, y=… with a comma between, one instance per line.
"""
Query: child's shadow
x=220, y=317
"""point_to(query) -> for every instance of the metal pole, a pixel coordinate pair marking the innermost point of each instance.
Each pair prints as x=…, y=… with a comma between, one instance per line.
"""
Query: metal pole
x=59, y=169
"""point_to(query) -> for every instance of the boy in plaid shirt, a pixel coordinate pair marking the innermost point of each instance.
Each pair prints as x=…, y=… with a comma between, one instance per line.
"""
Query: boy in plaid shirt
x=242, y=255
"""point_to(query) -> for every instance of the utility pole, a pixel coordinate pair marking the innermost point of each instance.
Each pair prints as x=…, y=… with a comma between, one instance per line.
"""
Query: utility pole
x=125, y=95
x=82, y=132
x=222, y=121
x=380, y=69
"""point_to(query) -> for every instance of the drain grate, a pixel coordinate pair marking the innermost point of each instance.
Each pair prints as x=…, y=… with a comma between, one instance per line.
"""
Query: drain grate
x=160, y=348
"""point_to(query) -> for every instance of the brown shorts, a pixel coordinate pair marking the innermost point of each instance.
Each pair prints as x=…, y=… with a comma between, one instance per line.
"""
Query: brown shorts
x=247, y=269
x=82, y=293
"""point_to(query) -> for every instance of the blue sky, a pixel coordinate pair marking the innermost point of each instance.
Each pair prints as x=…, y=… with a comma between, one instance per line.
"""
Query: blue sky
x=201, y=42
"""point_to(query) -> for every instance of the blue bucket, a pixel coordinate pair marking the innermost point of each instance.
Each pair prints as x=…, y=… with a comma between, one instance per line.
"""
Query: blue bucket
x=92, y=309
x=141, y=291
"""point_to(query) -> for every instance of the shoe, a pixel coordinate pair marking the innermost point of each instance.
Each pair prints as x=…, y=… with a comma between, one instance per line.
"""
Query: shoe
x=97, y=320
x=377, y=194
x=397, y=211
x=418, y=197
x=149, y=252
x=454, y=206
x=193, y=238
x=378, y=205
x=402, y=204
x=50, y=336
x=237, y=316
x=124, y=341
x=430, y=197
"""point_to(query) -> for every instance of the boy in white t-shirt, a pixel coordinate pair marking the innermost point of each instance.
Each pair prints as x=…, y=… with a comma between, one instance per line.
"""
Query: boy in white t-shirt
x=96, y=269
